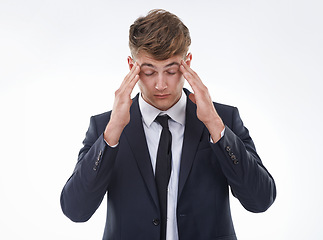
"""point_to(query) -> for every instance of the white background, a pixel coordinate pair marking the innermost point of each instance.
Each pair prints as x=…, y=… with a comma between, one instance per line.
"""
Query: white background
x=61, y=61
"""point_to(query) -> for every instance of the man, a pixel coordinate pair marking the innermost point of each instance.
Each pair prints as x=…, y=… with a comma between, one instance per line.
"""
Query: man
x=166, y=157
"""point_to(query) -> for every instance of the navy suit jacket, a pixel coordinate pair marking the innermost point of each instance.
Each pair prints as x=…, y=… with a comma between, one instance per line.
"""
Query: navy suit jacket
x=206, y=172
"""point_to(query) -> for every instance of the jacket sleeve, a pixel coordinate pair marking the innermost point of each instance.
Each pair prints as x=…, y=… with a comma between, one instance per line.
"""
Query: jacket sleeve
x=85, y=189
x=249, y=180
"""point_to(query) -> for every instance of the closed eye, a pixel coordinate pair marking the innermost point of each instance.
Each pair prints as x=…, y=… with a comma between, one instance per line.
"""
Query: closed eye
x=149, y=74
x=171, y=73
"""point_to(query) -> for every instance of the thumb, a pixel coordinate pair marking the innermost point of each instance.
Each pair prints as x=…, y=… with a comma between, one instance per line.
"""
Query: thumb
x=192, y=97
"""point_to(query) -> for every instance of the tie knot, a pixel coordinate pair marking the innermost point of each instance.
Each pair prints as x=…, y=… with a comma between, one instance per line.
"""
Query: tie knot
x=163, y=120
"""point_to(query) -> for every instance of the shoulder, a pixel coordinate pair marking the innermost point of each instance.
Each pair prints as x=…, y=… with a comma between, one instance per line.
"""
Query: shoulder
x=224, y=107
x=228, y=113
x=102, y=116
x=100, y=120
x=220, y=107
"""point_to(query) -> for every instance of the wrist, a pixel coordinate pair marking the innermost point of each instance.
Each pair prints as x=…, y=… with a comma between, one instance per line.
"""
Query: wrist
x=215, y=129
x=113, y=132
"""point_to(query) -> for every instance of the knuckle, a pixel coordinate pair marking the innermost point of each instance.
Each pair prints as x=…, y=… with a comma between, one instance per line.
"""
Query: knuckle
x=117, y=92
x=204, y=90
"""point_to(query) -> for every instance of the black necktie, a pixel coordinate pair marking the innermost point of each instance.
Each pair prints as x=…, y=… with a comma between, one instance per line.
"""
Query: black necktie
x=163, y=170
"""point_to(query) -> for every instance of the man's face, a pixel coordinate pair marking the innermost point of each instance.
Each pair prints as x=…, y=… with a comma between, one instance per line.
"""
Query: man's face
x=161, y=82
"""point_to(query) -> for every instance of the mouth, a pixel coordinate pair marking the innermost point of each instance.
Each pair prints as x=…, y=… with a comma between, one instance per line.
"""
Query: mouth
x=162, y=96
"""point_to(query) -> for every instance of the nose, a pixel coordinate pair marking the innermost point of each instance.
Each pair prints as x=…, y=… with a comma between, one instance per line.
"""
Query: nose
x=160, y=83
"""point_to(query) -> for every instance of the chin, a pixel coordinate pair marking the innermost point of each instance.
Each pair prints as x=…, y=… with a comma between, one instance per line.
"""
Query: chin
x=165, y=107
x=162, y=107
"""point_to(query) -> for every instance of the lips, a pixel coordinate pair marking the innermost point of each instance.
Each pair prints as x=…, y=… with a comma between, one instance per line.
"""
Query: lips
x=161, y=96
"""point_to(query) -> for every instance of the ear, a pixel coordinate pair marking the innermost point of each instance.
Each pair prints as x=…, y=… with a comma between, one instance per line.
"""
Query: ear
x=131, y=62
x=188, y=59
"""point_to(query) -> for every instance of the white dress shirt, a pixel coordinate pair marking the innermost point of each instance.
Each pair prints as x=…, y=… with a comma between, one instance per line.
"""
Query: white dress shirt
x=152, y=131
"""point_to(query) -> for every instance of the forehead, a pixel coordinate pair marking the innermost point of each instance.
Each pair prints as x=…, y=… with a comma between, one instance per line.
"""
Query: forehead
x=145, y=60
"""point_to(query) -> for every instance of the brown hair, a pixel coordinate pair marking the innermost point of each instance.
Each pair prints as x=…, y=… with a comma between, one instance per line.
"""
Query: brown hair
x=160, y=34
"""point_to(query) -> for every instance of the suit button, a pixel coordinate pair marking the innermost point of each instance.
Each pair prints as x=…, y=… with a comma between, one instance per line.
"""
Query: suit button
x=233, y=157
x=235, y=161
x=99, y=156
x=156, y=221
x=228, y=148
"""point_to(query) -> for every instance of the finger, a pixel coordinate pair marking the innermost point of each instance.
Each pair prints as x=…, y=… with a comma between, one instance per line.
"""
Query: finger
x=133, y=75
x=133, y=83
x=130, y=75
x=133, y=79
x=128, y=87
x=187, y=72
x=191, y=76
x=189, y=69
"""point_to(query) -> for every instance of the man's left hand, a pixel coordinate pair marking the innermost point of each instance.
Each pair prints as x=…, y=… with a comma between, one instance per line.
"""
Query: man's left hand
x=205, y=109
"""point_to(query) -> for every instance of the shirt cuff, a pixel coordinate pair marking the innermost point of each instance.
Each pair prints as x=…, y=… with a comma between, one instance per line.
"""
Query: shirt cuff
x=114, y=146
x=222, y=134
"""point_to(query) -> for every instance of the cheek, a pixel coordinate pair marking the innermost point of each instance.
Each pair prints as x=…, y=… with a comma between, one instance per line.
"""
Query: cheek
x=144, y=84
x=177, y=82
x=182, y=80
x=140, y=84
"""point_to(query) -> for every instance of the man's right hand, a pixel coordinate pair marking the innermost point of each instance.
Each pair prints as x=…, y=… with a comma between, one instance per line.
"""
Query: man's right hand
x=120, y=115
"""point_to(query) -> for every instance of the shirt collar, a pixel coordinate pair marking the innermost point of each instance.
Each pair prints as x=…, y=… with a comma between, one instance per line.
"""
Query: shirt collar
x=176, y=112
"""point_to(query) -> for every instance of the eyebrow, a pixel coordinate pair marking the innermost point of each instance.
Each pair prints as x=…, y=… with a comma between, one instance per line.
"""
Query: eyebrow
x=167, y=66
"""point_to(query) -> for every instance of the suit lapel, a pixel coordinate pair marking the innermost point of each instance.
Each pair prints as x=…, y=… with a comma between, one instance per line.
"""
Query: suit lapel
x=192, y=135
x=135, y=135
